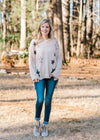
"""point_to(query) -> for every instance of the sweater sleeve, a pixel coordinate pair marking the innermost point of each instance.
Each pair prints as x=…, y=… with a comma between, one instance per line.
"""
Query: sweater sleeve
x=57, y=71
x=32, y=60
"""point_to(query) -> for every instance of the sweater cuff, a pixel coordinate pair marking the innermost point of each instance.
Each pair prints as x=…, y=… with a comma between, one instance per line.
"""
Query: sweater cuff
x=35, y=77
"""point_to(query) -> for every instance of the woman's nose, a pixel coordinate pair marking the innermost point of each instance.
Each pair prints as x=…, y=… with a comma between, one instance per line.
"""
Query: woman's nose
x=45, y=28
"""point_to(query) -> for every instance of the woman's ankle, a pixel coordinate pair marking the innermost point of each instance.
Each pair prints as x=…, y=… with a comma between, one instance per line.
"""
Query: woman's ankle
x=37, y=122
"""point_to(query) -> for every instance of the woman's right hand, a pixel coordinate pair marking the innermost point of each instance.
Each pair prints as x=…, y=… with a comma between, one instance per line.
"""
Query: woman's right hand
x=36, y=80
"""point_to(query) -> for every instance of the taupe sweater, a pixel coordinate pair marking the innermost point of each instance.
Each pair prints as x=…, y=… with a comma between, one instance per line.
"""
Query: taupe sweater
x=44, y=59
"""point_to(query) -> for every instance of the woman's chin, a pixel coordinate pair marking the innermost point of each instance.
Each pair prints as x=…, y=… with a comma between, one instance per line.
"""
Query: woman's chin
x=45, y=34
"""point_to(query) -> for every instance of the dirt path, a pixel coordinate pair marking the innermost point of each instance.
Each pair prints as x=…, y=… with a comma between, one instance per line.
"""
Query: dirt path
x=75, y=108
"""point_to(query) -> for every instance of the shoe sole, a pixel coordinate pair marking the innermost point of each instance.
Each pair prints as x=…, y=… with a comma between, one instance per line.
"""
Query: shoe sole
x=36, y=135
x=44, y=135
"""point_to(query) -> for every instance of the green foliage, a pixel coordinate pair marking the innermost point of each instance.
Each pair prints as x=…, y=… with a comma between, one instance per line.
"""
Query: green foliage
x=13, y=38
x=1, y=42
x=15, y=14
x=33, y=19
x=1, y=38
x=1, y=6
x=24, y=55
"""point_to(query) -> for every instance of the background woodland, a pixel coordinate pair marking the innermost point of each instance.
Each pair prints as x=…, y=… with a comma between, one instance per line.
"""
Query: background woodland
x=76, y=25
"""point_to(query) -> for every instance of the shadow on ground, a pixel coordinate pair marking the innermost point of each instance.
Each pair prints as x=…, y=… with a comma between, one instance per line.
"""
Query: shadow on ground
x=68, y=97
x=65, y=86
x=24, y=82
x=62, y=129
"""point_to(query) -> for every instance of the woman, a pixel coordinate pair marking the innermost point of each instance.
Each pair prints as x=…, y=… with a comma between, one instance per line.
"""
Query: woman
x=45, y=64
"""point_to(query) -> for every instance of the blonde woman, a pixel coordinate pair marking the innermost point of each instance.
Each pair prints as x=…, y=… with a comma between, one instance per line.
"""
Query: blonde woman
x=45, y=64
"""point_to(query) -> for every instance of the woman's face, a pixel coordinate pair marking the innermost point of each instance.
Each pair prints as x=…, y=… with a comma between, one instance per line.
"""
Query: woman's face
x=45, y=29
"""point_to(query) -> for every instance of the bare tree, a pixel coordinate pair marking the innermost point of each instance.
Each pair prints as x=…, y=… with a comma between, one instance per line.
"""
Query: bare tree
x=60, y=28
x=51, y=11
x=66, y=26
x=79, y=29
x=75, y=18
x=37, y=5
x=84, y=37
x=4, y=22
x=90, y=28
x=56, y=18
x=23, y=25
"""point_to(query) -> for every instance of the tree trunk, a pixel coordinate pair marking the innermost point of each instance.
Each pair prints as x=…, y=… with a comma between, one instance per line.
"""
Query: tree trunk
x=9, y=26
x=99, y=12
x=51, y=12
x=66, y=27
x=79, y=29
x=85, y=30
x=90, y=26
x=85, y=24
x=55, y=18
x=4, y=23
x=60, y=28
x=75, y=18
x=37, y=5
x=23, y=25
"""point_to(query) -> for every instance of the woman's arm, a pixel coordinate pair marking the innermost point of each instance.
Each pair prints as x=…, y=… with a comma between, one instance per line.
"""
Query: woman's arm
x=32, y=61
x=57, y=71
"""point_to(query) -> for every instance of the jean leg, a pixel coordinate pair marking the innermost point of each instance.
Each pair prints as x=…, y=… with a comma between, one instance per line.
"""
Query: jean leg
x=50, y=86
x=40, y=86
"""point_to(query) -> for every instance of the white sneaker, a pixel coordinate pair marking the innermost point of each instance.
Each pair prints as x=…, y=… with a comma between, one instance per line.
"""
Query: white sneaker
x=36, y=131
x=44, y=131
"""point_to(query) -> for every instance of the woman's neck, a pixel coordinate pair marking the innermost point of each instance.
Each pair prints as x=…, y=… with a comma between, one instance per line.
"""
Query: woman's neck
x=45, y=37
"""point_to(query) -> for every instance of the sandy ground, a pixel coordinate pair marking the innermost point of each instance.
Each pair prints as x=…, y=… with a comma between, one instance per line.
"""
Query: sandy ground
x=75, y=108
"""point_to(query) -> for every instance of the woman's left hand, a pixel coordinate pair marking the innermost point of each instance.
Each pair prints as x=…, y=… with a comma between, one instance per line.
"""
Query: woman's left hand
x=54, y=77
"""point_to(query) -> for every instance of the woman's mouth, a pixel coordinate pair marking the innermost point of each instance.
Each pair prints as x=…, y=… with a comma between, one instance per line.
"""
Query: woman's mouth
x=44, y=31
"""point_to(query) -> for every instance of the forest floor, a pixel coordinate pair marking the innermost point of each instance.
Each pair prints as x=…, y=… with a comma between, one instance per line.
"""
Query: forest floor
x=75, y=111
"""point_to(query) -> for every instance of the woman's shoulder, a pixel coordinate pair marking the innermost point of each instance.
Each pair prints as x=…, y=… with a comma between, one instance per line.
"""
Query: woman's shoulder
x=33, y=40
x=55, y=40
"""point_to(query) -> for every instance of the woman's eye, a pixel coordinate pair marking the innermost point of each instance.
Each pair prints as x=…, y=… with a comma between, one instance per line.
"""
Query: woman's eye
x=45, y=27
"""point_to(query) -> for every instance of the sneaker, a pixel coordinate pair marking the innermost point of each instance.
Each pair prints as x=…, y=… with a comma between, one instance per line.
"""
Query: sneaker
x=44, y=131
x=36, y=131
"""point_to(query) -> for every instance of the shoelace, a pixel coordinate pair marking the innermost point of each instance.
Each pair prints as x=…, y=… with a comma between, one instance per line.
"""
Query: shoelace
x=37, y=127
x=44, y=128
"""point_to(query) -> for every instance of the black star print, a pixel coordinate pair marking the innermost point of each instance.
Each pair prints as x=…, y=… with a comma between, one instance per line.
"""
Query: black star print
x=54, y=54
x=34, y=44
x=52, y=61
x=52, y=70
x=41, y=60
x=34, y=51
x=38, y=72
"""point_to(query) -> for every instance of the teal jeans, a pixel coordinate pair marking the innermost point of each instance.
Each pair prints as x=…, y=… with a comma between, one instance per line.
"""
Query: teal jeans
x=40, y=86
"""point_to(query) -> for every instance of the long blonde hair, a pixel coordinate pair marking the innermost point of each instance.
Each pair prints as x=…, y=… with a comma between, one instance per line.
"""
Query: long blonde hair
x=50, y=35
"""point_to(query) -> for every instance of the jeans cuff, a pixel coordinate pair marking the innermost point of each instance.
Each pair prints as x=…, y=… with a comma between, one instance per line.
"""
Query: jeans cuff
x=45, y=122
x=37, y=119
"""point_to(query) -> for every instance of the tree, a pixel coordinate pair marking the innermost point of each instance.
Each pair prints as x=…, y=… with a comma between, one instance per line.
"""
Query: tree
x=4, y=22
x=66, y=26
x=90, y=27
x=23, y=25
x=74, y=17
x=59, y=25
x=79, y=29
x=51, y=11
x=84, y=39
x=56, y=18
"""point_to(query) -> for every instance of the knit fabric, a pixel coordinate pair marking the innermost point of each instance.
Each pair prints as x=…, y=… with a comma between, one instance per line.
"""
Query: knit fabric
x=44, y=59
